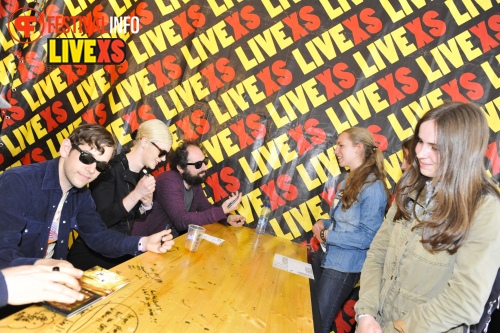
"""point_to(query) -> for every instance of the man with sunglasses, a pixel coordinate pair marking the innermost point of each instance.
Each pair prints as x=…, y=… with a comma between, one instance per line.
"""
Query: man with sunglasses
x=179, y=197
x=41, y=203
x=124, y=193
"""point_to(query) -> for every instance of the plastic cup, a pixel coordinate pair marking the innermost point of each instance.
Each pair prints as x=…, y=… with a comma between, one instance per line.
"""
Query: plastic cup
x=194, y=237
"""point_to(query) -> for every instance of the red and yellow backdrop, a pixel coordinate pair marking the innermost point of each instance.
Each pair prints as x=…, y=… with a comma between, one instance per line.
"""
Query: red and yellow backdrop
x=265, y=85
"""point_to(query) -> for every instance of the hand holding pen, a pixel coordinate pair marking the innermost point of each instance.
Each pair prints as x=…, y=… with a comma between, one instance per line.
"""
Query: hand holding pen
x=232, y=203
x=163, y=238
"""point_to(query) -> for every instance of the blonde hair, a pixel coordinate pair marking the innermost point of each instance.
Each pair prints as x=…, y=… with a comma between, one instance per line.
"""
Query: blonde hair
x=154, y=130
x=373, y=163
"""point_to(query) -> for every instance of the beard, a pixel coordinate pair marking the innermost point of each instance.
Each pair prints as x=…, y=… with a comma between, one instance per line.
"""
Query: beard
x=193, y=180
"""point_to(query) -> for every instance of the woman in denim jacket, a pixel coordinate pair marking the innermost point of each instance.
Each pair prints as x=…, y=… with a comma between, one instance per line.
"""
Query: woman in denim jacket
x=356, y=215
x=433, y=262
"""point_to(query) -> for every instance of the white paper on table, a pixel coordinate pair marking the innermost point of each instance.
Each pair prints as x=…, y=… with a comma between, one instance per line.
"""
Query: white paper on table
x=293, y=266
x=212, y=239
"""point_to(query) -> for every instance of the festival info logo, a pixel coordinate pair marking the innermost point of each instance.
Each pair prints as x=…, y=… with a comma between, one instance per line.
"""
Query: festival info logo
x=27, y=25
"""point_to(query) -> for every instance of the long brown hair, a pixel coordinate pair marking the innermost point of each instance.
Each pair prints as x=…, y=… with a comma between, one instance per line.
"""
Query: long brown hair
x=373, y=162
x=460, y=181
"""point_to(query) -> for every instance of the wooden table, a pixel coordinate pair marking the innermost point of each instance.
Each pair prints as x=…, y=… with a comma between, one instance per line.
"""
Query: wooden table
x=227, y=288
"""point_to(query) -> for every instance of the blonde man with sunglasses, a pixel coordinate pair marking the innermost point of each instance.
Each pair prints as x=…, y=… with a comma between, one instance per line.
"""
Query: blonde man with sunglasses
x=41, y=203
x=179, y=197
x=124, y=193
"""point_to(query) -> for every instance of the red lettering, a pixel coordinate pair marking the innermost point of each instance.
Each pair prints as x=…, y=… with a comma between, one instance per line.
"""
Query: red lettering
x=186, y=28
x=358, y=34
x=421, y=37
x=103, y=46
x=373, y=23
x=161, y=79
x=438, y=27
x=197, y=16
x=317, y=135
x=297, y=30
x=290, y=191
x=218, y=190
x=72, y=76
x=227, y=72
x=302, y=144
x=145, y=112
x=37, y=155
x=116, y=70
x=494, y=24
x=275, y=200
x=61, y=114
x=313, y=22
x=270, y=85
x=30, y=67
x=410, y=84
x=174, y=71
x=131, y=119
x=213, y=80
x=198, y=119
x=451, y=88
x=185, y=126
x=239, y=129
x=487, y=42
x=380, y=140
x=494, y=157
x=232, y=183
x=474, y=89
x=118, y=48
x=393, y=93
x=259, y=129
x=238, y=29
x=14, y=113
x=252, y=20
x=347, y=78
x=284, y=75
x=331, y=88
x=100, y=112
x=10, y=7
x=145, y=16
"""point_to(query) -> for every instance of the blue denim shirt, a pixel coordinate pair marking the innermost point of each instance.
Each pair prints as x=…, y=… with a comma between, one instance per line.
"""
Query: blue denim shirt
x=354, y=229
x=29, y=196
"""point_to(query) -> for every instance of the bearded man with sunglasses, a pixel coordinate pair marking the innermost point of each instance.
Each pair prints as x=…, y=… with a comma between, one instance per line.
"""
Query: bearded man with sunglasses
x=41, y=203
x=179, y=197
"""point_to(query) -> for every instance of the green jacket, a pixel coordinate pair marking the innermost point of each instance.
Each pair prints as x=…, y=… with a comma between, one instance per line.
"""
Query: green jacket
x=428, y=292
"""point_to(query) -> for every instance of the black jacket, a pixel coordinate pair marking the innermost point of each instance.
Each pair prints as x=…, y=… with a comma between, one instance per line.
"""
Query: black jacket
x=108, y=191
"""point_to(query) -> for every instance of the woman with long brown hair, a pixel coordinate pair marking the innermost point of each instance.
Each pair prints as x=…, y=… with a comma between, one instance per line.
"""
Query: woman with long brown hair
x=432, y=264
x=355, y=217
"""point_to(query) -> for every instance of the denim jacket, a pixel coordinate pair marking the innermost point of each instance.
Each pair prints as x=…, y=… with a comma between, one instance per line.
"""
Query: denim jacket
x=353, y=230
x=29, y=196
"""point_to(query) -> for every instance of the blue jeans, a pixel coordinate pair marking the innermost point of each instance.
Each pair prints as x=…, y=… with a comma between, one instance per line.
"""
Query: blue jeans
x=333, y=289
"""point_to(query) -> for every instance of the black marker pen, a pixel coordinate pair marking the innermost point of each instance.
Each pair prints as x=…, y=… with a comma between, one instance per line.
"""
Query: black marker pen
x=167, y=227
x=232, y=202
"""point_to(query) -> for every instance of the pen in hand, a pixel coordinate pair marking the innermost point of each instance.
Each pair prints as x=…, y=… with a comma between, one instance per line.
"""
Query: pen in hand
x=232, y=202
x=167, y=227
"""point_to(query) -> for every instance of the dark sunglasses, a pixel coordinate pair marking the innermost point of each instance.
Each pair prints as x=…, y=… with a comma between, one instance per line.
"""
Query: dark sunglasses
x=88, y=159
x=198, y=164
x=162, y=153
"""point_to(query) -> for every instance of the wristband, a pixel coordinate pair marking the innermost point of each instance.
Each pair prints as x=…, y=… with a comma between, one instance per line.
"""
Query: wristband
x=359, y=316
x=322, y=235
x=141, y=246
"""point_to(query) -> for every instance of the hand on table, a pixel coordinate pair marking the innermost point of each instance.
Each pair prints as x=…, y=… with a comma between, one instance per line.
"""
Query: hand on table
x=236, y=220
x=32, y=284
x=160, y=242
